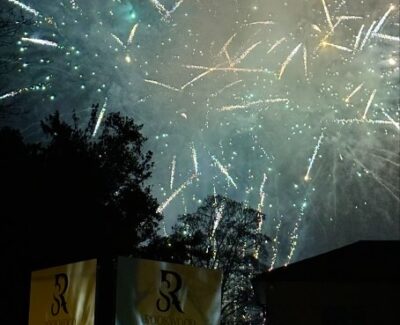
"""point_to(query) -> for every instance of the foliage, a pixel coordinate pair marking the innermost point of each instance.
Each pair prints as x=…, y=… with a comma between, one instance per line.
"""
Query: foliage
x=76, y=193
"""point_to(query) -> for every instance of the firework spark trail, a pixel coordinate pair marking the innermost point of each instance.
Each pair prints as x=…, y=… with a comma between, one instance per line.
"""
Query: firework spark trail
x=267, y=22
x=215, y=194
x=327, y=35
x=240, y=106
x=224, y=49
x=25, y=7
x=276, y=44
x=262, y=194
x=275, y=244
x=154, y=82
x=225, y=46
x=376, y=177
x=249, y=104
x=358, y=38
x=386, y=37
x=185, y=209
x=195, y=162
x=361, y=121
x=367, y=35
x=396, y=124
x=294, y=236
x=176, y=6
x=305, y=61
x=371, y=98
x=201, y=75
x=14, y=93
x=218, y=217
x=160, y=8
x=355, y=91
x=316, y=27
x=228, y=57
x=383, y=19
x=244, y=54
x=226, y=87
x=227, y=69
x=100, y=118
x=117, y=39
x=385, y=159
x=339, y=47
x=288, y=59
x=162, y=207
x=316, y=149
x=261, y=203
x=343, y=18
x=132, y=33
x=327, y=14
x=224, y=172
x=173, y=165
x=39, y=41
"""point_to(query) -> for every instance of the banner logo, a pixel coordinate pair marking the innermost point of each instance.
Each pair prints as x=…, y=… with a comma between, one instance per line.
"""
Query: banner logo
x=61, y=286
x=164, y=303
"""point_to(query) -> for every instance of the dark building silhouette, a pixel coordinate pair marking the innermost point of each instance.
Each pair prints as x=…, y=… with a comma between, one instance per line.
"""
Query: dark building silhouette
x=355, y=284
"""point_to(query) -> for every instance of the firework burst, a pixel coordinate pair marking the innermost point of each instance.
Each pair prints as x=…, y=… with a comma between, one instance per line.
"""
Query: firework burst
x=262, y=85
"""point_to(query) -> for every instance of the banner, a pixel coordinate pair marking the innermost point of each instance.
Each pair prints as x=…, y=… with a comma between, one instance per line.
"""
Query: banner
x=63, y=295
x=150, y=292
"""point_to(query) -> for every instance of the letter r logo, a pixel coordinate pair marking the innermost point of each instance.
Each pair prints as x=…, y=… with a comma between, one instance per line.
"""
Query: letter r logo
x=61, y=286
x=170, y=297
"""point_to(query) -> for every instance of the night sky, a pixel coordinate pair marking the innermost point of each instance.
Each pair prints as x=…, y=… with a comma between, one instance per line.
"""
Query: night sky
x=289, y=106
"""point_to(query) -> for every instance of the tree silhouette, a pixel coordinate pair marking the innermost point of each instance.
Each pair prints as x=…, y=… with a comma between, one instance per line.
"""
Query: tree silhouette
x=221, y=234
x=77, y=192
x=73, y=196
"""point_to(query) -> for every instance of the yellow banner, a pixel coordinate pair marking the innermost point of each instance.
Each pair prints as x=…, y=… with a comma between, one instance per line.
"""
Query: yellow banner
x=150, y=292
x=63, y=295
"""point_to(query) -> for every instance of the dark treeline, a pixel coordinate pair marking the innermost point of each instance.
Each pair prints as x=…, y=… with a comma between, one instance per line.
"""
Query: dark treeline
x=81, y=193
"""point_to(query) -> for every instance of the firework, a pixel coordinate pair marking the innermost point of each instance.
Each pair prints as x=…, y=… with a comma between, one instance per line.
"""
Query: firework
x=288, y=59
x=195, y=162
x=276, y=44
x=39, y=41
x=358, y=38
x=213, y=77
x=224, y=171
x=244, y=54
x=294, y=236
x=154, y=82
x=132, y=33
x=173, y=165
x=355, y=91
x=305, y=61
x=100, y=118
x=316, y=149
x=163, y=205
x=339, y=47
x=327, y=14
x=387, y=37
x=370, y=100
x=383, y=19
x=25, y=7
x=367, y=35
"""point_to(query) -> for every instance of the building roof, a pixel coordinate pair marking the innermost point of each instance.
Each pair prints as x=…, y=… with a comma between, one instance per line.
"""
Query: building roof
x=358, y=262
